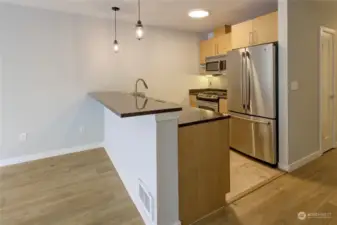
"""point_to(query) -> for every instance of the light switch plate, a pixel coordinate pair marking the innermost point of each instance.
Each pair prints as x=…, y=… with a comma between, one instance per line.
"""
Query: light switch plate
x=23, y=137
x=294, y=86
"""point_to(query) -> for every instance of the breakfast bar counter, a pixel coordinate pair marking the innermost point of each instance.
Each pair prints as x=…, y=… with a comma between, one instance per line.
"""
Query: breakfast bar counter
x=128, y=105
x=176, y=156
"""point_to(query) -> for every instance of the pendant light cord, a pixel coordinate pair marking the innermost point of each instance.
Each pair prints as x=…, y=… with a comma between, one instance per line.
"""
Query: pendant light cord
x=139, y=10
x=115, y=26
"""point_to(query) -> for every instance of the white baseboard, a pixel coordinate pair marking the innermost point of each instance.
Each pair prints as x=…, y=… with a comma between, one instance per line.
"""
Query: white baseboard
x=177, y=223
x=301, y=162
x=48, y=154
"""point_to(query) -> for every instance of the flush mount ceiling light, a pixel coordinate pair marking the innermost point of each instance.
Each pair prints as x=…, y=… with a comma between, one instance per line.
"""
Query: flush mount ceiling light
x=198, y=13
x=115, y=43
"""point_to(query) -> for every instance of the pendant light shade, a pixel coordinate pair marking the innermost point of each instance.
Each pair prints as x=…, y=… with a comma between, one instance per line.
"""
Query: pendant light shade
x=139, y=25
x=139, y=30
x=116, y=46
x=115, y=43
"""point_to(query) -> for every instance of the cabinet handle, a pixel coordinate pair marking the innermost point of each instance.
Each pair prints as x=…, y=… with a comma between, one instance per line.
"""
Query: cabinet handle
x=255, y=39
x=250, y=37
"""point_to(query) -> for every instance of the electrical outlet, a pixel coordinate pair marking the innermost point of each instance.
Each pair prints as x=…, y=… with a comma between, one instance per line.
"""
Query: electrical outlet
x=23, y=137
x=82, y=129
x=294, y=86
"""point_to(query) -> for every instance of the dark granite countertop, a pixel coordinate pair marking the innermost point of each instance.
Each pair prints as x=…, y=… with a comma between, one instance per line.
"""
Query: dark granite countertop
x=197, y=91
x=127, y=105
x=220, y=91
x=191, y=116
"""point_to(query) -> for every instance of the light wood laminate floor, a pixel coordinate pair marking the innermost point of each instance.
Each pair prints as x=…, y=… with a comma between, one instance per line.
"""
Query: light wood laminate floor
x=75, y=189
x=247, y=174
x=84, y=189
x=310, y=189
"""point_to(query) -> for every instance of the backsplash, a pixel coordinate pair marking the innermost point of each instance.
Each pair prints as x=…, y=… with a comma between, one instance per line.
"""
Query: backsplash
x=219, y=82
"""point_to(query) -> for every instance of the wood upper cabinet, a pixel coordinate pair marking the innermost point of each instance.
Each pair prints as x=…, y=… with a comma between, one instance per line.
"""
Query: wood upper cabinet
x=242, y=34
x=207, y=48
x=265, y=28
x=224, y=44
x=216, y=46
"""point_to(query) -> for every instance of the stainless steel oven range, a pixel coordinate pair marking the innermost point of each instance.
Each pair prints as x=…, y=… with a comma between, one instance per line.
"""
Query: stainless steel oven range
x=208, y=101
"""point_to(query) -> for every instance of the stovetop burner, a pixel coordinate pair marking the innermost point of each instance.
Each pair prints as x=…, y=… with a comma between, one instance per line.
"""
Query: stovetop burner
x=210, y=96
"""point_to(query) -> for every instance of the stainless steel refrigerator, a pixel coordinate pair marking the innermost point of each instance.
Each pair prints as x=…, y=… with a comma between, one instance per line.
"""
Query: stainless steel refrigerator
x=252, y=101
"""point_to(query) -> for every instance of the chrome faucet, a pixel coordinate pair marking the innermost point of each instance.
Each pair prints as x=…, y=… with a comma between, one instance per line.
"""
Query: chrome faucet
x=136, y=88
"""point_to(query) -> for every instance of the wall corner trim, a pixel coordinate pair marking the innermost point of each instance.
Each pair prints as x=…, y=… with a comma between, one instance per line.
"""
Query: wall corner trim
x=283, y=167
x=48, y=154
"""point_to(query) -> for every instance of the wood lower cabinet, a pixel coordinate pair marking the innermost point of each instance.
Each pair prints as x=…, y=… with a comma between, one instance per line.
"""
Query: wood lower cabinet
x=242, y=34
x=223, y=106
x=203, y=162
x=265, y=28
x=193, y=100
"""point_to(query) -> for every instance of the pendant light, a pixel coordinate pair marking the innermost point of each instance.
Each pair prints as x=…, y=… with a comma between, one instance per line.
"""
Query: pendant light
x=139, y=25
x=115, y=43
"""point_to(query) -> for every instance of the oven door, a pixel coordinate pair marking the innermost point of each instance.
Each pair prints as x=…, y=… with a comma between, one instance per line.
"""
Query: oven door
x=208, y=105
x=206, y=108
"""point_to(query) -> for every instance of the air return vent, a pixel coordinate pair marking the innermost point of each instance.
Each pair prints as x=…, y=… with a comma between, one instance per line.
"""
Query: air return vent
x=146, y=199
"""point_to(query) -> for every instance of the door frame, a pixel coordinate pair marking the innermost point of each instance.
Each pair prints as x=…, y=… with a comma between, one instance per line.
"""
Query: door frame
x=1, y=106
x=333, y=32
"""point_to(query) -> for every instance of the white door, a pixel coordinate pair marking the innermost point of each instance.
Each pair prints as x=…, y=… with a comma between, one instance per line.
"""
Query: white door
x=327, y=90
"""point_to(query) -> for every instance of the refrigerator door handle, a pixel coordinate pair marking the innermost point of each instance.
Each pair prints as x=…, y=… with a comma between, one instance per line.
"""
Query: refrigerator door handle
x=248, y=80
x=251, y=120
x=242, y=80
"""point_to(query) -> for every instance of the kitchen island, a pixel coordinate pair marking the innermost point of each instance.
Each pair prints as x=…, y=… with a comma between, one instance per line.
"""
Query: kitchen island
x=173, y=160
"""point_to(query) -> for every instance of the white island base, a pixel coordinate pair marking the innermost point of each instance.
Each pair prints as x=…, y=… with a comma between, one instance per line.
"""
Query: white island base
x=144, y=151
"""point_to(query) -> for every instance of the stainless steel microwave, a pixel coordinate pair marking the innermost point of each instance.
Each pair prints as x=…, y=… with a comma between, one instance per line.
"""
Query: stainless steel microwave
x=216, y=65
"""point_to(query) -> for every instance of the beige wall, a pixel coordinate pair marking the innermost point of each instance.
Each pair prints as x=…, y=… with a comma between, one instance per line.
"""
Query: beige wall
x=51, y=60
x=304, y=21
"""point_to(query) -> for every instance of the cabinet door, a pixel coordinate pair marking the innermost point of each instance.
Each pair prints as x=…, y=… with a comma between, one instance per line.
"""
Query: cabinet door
x=207, y=48
x=193, y=100
x=242, y=34
x=223, y=106
x=224, y=44
x=265, y=29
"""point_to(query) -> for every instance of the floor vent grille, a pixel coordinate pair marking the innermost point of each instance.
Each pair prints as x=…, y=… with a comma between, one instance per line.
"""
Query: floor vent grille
x=146, y=199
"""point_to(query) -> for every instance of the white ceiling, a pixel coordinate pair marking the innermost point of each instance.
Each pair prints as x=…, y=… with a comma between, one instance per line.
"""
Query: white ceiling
x=165, y=13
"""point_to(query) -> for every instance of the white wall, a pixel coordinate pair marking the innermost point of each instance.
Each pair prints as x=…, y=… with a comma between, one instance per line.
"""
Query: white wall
x=51, y=61
x=304, y=21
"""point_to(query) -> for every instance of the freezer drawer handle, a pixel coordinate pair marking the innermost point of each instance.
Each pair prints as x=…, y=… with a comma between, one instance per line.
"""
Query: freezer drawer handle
x=254, y=121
